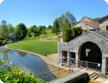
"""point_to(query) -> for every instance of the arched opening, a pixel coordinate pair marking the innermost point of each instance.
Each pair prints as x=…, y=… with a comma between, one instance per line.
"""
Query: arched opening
x=90, y=52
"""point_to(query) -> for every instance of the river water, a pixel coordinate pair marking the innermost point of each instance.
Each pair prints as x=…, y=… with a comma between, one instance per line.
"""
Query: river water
x=29, y=63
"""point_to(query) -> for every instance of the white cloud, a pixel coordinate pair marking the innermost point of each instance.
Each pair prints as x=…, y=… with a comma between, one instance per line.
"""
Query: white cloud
x=1, y=1
x=106, y=1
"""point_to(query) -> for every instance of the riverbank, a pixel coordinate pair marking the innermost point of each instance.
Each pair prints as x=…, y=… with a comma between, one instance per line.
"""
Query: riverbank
x=50, y=60
x=36, y=46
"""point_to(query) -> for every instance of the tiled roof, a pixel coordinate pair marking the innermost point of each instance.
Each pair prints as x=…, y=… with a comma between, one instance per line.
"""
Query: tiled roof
x=60, y=35
x=90, y=22
x=103, y=18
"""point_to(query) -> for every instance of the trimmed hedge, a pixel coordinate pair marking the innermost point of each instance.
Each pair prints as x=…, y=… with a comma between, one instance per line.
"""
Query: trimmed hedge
x=71, y=33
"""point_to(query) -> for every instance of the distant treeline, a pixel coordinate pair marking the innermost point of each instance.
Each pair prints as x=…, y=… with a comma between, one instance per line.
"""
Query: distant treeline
x=9, y=33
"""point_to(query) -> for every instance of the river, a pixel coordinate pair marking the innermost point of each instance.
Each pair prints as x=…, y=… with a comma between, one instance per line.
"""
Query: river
x=28, y=62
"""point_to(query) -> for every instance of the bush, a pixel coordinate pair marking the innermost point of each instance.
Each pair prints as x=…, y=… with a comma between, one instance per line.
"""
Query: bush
x=4, y=42
x=77, y=31
x=16, y=75
x=69, y=34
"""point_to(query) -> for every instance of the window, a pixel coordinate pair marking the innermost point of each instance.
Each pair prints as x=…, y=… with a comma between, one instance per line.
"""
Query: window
x=107, y=28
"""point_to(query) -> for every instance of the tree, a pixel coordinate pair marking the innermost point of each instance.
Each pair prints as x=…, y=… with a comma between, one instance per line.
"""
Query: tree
x=71, y=18
x=3, y=24
x=3, y=31
x=10, y=28
x=50, y=27
x=56, y=26
x=97, y=19
x=33, y=31
x=20, y=31
x=65, y=21
x=42, y=29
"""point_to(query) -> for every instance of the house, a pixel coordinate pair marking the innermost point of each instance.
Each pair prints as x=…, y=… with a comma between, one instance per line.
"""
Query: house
x=12, y=36
x=103, y=23
x=88, y=24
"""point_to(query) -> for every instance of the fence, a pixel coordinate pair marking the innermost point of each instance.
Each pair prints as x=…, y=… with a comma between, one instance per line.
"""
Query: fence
x=83, y=64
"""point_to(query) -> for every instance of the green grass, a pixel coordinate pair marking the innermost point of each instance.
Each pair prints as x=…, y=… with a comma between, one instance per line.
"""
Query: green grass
x=37, y=46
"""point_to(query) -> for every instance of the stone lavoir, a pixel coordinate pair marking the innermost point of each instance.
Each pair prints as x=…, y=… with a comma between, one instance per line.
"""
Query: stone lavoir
x=90, y=48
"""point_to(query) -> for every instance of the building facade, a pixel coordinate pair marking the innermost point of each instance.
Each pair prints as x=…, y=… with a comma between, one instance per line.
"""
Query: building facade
x=90, y=48
x=89, y=24
x=103, y=23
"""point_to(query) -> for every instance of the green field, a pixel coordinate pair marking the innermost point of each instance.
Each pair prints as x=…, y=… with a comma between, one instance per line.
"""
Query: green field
x=35, y=45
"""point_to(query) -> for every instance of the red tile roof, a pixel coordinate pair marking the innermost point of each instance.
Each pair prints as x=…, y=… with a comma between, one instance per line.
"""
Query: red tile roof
x=91, y=22
x=60, y=35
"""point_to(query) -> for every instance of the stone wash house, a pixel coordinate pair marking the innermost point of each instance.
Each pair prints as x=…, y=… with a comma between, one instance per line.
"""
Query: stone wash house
x=90, y=50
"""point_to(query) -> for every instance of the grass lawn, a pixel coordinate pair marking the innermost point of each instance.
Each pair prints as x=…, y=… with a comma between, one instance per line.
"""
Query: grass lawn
x=35, y=45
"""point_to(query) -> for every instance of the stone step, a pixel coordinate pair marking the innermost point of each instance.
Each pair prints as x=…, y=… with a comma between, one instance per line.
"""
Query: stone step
x=94, y=76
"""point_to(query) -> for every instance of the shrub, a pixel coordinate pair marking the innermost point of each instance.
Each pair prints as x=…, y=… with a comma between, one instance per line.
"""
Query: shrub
x=69, y=34
x=16, y=75
x=77, y=31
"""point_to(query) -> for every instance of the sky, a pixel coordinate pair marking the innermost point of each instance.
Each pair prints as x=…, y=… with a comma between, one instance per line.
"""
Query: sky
x=44, y=12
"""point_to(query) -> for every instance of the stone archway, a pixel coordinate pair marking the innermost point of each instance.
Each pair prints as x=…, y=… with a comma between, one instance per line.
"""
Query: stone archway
x=90, y=52
x=89, y=47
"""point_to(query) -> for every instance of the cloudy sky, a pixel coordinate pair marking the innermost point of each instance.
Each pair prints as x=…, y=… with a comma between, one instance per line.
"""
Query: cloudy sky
x=44, y=12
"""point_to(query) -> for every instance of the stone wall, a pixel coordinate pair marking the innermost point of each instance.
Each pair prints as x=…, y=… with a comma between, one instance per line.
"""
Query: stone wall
x=76, y=77
x=83, y=26
x=75, y=45
x=103, y=25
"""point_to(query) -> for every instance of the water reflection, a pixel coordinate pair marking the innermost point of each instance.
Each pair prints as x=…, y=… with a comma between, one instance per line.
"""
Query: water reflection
x=28, y=62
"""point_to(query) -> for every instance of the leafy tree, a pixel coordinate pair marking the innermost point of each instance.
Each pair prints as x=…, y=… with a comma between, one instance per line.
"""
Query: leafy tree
x=97, y=19
x=71, y=18
x=3, y=31
x=10, y=28
x=56, y=26
x=50, y=27
x=20, y=31
x=3, y=24
x=65, y=21
x=42, y=29
x=33, y=31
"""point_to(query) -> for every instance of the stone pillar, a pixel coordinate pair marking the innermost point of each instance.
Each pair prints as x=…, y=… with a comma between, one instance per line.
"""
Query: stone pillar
x=68, y=58
x=77, y=58
x=103, y=69
x=59, y=55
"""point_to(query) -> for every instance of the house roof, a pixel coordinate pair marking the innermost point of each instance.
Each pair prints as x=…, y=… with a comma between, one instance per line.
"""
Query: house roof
x=60, y=35
x=90, y=22
x=103, y=19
